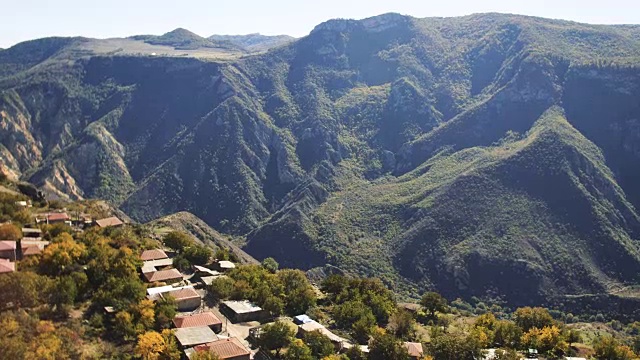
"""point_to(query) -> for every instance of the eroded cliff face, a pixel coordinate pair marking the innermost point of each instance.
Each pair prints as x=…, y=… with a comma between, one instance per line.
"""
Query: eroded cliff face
x=460, y=153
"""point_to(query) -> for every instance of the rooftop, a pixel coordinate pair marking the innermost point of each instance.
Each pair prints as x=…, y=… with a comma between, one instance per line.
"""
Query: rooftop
x=224, y=264
x=30, y=250
x=415, y=349
x=206, y=270
x=164, y=289
x=7, y=245
x=58, y=217
x=110, y=221
x=242, y=307
x=182, y=294
x=154, y=254
x=225, y=348
x=31, y=230
x=7, y=266
x=316, y=326
x=33, y=242
x=192, y=336
x=196, y=320
x=163, y=275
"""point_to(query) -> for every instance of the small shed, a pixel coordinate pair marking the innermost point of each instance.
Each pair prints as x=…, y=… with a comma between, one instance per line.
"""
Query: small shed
x=192, y=336
x=8, y=250
x=301, y=319
x=226, y=349
x=109, y=222
x=196, y=320
x=168, y=276
x=31, y=232
x=243, y=311
x=187, y=299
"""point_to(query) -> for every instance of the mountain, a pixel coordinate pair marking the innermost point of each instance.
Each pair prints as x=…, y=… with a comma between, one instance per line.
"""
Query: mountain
x=183, y=39
x=488, y=155
x=255, y=42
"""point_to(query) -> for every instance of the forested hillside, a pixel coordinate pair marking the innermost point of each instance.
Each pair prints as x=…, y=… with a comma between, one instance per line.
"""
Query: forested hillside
x=490, y=155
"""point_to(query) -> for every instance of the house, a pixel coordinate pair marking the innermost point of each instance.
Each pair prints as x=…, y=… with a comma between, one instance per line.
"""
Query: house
x=224, y=265
x=242, y=311
x=57, y=218
x=226, y=349
x=109, y=222
x=338, y=342
x=31, y=233
x=169, y=276
x=197, y=320
x=192, y=336
x=8, y=250
x=156, y=292
x=415, y=350
x=187, y=299
x=7, y=266
x=203, y=271
x=155, y=254
x=155, y=265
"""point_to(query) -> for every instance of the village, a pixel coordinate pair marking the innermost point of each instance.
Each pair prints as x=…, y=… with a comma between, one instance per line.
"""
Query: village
x=232, y=327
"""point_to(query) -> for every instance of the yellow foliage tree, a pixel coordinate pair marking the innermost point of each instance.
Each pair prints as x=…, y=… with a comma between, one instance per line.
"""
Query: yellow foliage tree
x=61, y=254
x=150, y=346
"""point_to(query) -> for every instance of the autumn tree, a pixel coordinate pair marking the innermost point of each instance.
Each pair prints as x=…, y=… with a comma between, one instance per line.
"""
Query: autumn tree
x=275, y=337
x=608, y=348
x=528, y=317
x=433, y=302
x=298, y=350
x=10, y=232
x=61, y=254
x=150, y=345
x=547, y=340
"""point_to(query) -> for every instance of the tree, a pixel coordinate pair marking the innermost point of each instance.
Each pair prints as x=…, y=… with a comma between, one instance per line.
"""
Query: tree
x=319, y=344
x=608, y=348
x=10, y=232
x=62, y=294
x=124, y=326
x=385, y=346
x=177, y=240
x=270, y=264
x=454, y=346
x=63, y=252
x=528, y=317
x=547, y=340
x=355, y=353
x=433, y=302
x=171, y=350
x=204, y=355
x=198, y=254
x=165, y=310
x=276, y=336
x=221, y=288
x=402, y=324
x=298, y=292
x=363, y=328
x=298, y=351
x=150, y=345
x=507, y=334
x=26, y=289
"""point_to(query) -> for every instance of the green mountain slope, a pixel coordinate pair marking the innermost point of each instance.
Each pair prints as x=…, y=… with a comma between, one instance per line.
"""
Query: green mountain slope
x=487, y=155
x=254, y=42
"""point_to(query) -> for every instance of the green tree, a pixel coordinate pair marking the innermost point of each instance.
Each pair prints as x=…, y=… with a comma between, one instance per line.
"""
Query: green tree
x=319, y=344
x=177, y=240
x=62, y=294
x=298, y=351
x=355, y=353
x=275, y=337
x=454, y=346
x=608, y=348
x=433, y=302
x=385, y=346
x=221, y=289
x=123, y=325
x=506, y=334
x=165, y=311
x=270, y=264
x=198, y=254
x=402, y=324
x=506, y=354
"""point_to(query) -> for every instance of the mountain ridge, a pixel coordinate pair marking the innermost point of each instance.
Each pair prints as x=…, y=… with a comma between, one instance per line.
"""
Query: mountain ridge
x=376, y=145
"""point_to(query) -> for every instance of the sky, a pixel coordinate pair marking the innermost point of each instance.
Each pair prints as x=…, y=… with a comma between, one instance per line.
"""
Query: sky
x=30, y=19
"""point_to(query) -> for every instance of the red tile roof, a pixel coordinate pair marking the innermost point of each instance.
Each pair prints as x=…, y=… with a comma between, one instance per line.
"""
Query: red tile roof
x=7, y=245
x=112, y=221
x=7, y=266
x=183, y=294
x=58, y=217
x=30, y=250
x=155, y=254
x=163, y=275
x=415, y=349
x=225, y=348
x=202, y=319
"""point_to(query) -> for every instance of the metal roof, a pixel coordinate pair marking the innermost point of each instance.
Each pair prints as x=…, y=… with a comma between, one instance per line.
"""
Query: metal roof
x=242, y=307
x=192, y=336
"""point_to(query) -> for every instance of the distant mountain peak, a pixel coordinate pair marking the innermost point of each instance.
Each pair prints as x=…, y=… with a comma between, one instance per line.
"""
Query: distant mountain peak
x=254, y=41
x=375, y=23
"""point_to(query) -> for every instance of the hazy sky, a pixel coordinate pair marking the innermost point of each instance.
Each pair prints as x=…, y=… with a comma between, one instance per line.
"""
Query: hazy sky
x=29, y=19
